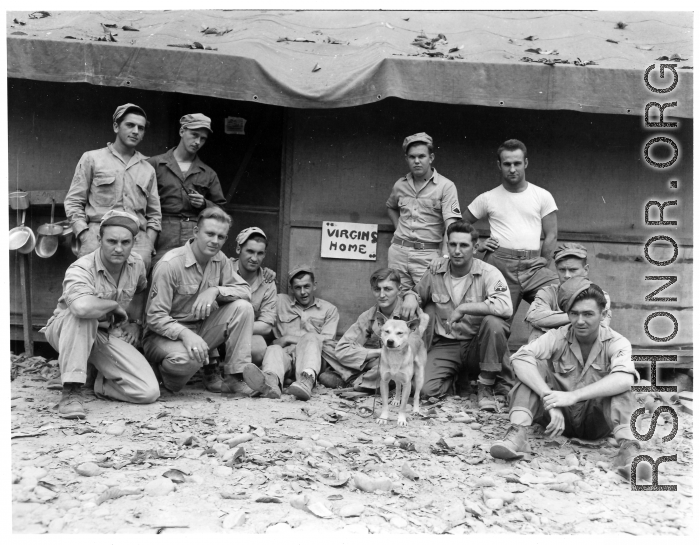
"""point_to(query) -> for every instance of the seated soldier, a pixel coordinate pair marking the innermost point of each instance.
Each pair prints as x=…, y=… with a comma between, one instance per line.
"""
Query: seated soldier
x=469, y=304
x=251, y=245
x=544, y=312
x=91, y=323
x=305, y=326
x=356, y=356
x=198, y=302
x=575, y=380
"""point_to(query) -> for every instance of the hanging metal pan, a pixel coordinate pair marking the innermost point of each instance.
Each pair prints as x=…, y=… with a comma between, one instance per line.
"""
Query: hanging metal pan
x=19, y=235
x=48, y=236
x=50, y=229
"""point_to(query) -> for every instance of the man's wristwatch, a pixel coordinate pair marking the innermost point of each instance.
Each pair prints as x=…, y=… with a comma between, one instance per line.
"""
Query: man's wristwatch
x=137, y=322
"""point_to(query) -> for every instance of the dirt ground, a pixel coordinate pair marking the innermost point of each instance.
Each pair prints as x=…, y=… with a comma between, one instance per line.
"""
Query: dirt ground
x=299, y=466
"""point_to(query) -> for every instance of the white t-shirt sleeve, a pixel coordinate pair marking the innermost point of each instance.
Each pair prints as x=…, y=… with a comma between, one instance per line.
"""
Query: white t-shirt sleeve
x=478, y=206
x=547, y=203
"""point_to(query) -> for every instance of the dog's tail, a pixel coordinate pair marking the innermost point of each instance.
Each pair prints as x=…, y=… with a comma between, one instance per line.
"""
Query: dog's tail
x=423, y=325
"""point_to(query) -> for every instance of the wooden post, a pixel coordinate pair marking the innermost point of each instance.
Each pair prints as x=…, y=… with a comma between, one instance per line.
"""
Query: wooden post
x=26, y=303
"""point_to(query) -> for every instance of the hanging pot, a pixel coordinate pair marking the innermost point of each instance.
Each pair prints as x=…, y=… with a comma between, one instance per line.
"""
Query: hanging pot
x=19, y=200
x=20, y=235
x=48, y=236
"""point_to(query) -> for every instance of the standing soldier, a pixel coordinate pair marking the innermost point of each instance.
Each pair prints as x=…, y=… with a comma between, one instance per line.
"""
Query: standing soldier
x=518, y=212
x=185, y=184
x=422, y=205
x=116, y=177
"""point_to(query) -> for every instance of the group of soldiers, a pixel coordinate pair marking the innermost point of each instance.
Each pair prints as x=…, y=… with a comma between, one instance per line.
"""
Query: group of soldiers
x=143, y=328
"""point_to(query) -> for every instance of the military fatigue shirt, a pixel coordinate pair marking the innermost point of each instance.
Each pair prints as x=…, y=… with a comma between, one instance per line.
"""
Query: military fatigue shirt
x=546, y=305
x=200, y=177
x=177, y=282
x=485, y=284
x=611, y=353
x=102, y=182
x=263, y=297
x=424, y=212
x=292, y=319
x=88, y=276
x=363, y=335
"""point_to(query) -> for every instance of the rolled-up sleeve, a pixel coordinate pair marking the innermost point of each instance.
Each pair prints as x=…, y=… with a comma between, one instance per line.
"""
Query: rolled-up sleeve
x=268, y=305
x=153, y=213
x=232, y=287
x=541, y=348
x=393, y=200
x=330, y=325
x=478, y=206
x=620, y=356
x=541, y=309
x=497, y=294
x=77, y=196
x=77, y=283
x=160, y=301
x=350, y=349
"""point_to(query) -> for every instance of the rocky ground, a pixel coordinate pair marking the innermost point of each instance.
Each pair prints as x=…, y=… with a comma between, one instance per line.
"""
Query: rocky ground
x=197, y=462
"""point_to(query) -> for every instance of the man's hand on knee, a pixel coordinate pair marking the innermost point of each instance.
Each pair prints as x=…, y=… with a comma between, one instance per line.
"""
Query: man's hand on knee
x=556, y=399
x=196, y=347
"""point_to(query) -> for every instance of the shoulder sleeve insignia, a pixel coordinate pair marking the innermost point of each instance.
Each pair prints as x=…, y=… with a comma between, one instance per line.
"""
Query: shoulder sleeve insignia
x=500, y=286
x=455, y=208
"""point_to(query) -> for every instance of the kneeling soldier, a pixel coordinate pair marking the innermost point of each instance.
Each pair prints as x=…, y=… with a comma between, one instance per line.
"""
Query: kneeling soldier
x=91, y=323
x=198, y=302
x=576, y=381
x=304, y=328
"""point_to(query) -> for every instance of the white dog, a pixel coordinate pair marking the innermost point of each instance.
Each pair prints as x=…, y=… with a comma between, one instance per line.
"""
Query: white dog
x=402, y=360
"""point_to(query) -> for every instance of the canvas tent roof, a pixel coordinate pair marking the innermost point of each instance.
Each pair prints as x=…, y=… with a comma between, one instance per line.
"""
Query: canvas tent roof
x=374, y=58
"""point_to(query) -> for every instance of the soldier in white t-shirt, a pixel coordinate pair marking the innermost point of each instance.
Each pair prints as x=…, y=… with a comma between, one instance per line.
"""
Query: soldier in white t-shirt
x=518, y=212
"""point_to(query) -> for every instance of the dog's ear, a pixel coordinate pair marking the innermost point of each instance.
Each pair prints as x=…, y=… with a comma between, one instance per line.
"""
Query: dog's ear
x=413, y=324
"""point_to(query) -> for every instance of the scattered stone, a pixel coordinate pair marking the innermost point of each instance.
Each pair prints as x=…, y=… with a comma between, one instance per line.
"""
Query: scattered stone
x=491, y=493
x=238, y=439
x=159, y=487
x=568, y=478
x=88, y=469
x=475, y=426
x=299, y=502
x=222, y=471
x=453, y=513
x=320, y=510
x=44, y=494
x=32, y=472
x=354, y=509
x=494, y=503
x=408, y=471
x=56, y=525
x=485, y=481
x=474, y=508
x=398, y=522
x=325, y=444
x=368, y=484
x=115, y=429
x=389, y=440
x=572, y=460
x=235, y=519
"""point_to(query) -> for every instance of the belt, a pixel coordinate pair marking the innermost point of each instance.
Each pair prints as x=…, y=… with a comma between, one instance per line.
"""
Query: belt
x=517, y=254
x=180, y=217
x=415, y=245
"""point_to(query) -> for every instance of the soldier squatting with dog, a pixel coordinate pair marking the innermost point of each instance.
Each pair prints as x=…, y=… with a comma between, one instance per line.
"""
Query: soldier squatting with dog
x=436, y=323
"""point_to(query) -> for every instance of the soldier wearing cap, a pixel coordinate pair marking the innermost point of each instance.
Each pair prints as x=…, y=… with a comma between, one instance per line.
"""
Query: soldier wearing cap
x=197, y=302
x=116, y=177
x=251, y=246
x=185, y=184
x=98, y=320
x=576, y=381
x=421, y=206
x=304, y=328
x=570, y=260
x=518, y=212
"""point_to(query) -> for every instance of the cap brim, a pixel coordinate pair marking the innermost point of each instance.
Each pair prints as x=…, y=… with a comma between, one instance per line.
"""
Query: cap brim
x=197, y=126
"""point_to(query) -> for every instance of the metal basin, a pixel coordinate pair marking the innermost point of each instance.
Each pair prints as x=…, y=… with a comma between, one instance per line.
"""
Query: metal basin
x=46, y=246
x=20, y=236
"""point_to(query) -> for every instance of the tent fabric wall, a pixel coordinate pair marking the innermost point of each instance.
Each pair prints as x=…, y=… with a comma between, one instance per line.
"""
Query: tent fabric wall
x=363, y=56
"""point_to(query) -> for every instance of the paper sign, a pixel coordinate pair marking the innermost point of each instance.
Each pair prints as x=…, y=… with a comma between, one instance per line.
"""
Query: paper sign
x=234, y=125
x=341, y=240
